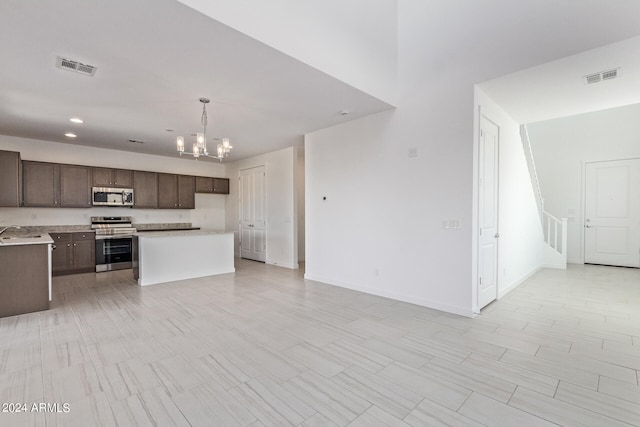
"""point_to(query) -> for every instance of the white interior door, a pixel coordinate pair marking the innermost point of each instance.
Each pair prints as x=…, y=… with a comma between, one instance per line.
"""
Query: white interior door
x=253, y=243
x=612, y=213
x=488, y=213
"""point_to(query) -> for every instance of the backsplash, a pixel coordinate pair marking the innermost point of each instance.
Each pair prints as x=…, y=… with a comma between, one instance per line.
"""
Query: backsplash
x=209, y=213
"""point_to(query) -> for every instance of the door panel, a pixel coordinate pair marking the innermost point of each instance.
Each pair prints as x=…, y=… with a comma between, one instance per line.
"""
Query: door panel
x=252, y=214
x=488, y=213
x=612, y=213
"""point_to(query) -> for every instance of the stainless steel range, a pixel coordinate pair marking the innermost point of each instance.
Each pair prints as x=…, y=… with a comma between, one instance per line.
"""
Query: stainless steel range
x=113, y=242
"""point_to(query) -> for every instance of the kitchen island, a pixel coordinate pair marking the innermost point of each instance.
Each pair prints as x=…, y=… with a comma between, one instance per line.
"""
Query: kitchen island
x=25, y=274
x=168, y=256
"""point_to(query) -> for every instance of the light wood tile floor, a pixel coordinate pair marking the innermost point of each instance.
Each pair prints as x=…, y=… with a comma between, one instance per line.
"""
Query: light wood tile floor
x=265, y=347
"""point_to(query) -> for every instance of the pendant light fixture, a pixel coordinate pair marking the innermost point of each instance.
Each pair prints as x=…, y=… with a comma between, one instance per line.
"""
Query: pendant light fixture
x=200, y=146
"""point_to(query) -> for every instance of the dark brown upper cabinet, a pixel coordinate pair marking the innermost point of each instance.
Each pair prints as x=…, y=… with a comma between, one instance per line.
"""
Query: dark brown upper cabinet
x=54, y=185
x=41, y=184
x=176, y=191
x=75, y=186
x=186, y=192
x=145, y=190
x=10, y=179
x=221, y=185
x=212, y=185
x=118, y=178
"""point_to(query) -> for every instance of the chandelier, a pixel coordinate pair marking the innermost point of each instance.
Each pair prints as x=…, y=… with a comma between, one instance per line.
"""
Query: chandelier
x=200, y=146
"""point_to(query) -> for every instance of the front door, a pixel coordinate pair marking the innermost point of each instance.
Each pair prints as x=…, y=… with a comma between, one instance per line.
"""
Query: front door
x=612, y=213
x=253, y=242
x=488, y=213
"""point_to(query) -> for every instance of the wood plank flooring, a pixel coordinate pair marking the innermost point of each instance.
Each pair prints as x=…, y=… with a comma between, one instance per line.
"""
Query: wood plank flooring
x=264, y=347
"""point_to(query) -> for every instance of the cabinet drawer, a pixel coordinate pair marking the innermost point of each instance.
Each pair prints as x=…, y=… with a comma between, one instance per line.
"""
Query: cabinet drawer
x=61, y=237
x=84, y=235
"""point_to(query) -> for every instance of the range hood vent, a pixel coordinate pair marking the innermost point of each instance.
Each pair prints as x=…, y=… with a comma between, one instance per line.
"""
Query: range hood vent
x=78, y=67
x=601, y=76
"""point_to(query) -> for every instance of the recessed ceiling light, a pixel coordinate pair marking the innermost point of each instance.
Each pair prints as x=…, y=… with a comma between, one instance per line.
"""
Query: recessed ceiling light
x=70, y=135
x=76, y=120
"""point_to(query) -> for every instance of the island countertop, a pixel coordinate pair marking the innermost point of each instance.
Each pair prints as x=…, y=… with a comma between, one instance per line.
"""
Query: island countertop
x=16, y=240
x=171, y=233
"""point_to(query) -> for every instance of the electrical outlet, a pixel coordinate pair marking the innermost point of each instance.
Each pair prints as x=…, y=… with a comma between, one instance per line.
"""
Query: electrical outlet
x=413, y=151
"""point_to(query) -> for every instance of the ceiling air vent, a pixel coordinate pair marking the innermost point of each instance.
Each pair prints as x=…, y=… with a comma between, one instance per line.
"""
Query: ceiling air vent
x=608, y=75
x=601, y=76
x=593, y=78
x=78, y=67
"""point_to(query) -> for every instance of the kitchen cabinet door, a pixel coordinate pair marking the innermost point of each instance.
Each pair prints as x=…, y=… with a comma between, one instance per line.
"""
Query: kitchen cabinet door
x=101, y=177
x=10, y=179
x=221, y=185
x=62, y=255
x=145, y=190
x=84, y=252
x=204, y=184
x=186, y=192
x=117, y=178
x=122, y=178
x=167, y=191
x=24, y=274
x=40, y=182
x=75, y=186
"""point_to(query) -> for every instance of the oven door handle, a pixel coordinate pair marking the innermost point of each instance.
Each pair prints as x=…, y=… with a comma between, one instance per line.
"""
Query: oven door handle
x=114, y=236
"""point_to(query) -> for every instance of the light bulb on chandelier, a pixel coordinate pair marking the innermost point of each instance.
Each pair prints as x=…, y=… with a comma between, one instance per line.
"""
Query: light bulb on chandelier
x=200, y=146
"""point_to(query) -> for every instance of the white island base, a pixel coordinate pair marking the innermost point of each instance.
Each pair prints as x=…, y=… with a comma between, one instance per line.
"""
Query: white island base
x=177, y=255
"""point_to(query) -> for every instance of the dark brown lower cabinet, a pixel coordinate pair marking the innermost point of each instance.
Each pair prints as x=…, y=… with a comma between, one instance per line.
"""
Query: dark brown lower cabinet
x=73, y=253
x=24, y=279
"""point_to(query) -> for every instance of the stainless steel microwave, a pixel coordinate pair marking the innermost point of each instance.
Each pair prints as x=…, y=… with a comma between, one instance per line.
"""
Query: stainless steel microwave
x=103, y=196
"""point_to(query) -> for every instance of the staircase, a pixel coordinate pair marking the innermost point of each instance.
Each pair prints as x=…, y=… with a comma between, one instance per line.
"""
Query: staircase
x=554, y=230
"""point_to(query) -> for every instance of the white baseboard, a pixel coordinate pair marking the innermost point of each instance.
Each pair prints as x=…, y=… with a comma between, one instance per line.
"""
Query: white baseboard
x=575, y=261
x=424, y=302
x=514, y=285
x=555, y=266
x=291, y=266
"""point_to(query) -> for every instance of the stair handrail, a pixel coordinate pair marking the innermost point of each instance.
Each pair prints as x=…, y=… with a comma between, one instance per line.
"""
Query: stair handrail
x=535, y=182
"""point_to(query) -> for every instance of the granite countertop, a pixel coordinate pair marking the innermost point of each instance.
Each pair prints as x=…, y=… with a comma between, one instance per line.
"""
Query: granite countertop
x=32, y=239
x=38, y=234
x=155, y=230
x=165, y=226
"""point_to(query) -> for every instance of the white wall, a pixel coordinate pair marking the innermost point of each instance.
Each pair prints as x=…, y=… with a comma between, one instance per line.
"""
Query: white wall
x=210, y=208
x=280, y=192
x=380, y=229
x=562, y=146
x=353, y=41
x=521, y=242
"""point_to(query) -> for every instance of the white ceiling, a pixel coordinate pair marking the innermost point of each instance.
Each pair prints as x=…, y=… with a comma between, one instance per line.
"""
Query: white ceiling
x=558, y=88
x=155, y=59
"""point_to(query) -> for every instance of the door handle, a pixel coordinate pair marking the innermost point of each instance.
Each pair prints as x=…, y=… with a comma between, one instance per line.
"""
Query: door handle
x=587, y=226
x=497, y=235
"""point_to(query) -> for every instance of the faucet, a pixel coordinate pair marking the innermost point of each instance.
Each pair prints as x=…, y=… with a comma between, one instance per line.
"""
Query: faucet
x=3, y=229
